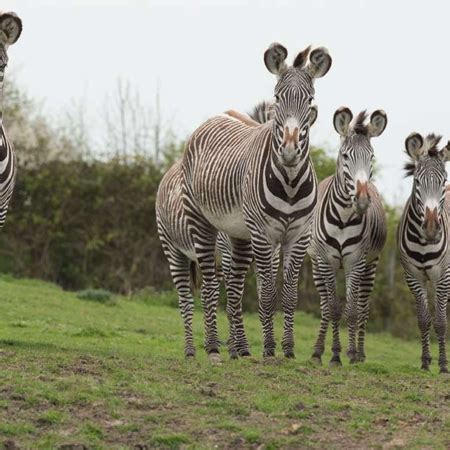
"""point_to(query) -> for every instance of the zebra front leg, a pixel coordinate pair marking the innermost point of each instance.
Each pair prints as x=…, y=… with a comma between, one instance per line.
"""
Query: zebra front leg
x=263, y=253
x=353, y=281
x=241, y=258
x=365, y=290
x=205, y=251
x=321, y=286
x=440, y=321
x=329, y=275
x=418, y=288
x=293, y=257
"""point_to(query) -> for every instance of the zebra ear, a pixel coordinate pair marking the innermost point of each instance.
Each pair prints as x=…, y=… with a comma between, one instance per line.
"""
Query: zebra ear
x=377, y=124
x=301, y=58
x=319, y=62
x=275, y=57
x=341, y=120
x=313, y=113
x=413, y=144
x=445, y=153
x=11, y=27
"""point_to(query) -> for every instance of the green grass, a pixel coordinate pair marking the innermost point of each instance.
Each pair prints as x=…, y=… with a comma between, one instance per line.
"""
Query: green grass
x=114, y=376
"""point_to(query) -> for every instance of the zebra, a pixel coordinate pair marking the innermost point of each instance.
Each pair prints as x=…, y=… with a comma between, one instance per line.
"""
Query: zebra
x=178, y=245
x=10, y=30
x=423, y=236
x=349, y=231
x=258, y=185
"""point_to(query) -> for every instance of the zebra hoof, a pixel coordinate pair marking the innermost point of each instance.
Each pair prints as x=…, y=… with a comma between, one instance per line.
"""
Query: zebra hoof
x=316, y=360
x=214, y=358
x=425, y=367
x=335, y=362
x=244, y=354
x=189, y=354
x=443, y=370
x=233, y=354
x=269, y=354
x=289, y=354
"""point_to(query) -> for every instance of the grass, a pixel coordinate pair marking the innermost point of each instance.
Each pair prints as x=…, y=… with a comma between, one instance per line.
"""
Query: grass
x=76, y=372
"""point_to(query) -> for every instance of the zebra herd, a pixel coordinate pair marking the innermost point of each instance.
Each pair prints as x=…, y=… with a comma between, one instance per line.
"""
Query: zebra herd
x=246, y=188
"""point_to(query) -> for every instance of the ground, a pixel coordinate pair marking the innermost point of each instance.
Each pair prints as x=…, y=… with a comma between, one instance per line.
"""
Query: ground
x=80, y=374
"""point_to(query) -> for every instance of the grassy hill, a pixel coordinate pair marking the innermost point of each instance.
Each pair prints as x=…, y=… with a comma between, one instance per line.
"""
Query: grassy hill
x=76, y=372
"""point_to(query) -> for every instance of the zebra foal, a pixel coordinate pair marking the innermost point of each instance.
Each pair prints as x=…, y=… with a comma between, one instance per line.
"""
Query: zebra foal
x=423, y=236
x=258, y=185
x=349, y=231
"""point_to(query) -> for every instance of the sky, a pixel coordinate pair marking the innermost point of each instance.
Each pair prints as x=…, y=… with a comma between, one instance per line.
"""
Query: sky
x=207, y=57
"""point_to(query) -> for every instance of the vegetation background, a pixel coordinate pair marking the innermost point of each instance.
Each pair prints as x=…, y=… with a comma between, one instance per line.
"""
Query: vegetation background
x=83, y=213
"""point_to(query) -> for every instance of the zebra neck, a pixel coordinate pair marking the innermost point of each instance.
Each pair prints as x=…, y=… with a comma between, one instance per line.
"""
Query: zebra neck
x=339, y=194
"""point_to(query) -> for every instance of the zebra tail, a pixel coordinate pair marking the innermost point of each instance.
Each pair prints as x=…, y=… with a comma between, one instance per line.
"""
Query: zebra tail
x=195, y=276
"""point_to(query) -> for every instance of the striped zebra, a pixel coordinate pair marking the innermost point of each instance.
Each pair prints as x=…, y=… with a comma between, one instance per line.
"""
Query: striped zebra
x=423, y=236
x=258, y=185
x=349, y=231
x=10, y=30
x=178, y=245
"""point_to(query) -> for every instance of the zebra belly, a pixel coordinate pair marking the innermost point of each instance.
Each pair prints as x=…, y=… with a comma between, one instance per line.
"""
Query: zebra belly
x=231, y=223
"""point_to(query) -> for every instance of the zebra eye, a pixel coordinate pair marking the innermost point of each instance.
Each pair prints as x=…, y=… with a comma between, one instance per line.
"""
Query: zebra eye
x=345, y=156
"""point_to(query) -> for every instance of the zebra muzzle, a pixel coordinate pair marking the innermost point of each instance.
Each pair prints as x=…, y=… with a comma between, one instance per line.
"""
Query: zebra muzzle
x=430, y=226
x=362, y=197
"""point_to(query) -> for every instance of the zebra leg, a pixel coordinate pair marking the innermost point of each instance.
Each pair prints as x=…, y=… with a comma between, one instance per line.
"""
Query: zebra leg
x=365, y=289
x=329, y=275
x=179, y=269
x=205, y=250
x=292, y=262
x=263, y=253
x=440, y=321
x=321, y=285
x=241, y=258
x=352, y=281
x=418, y=288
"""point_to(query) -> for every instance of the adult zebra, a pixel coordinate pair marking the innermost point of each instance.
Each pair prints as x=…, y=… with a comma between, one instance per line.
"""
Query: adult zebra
x=349, y=231
x=423, y=237
x=258, y=185
x=178, y=245
x=10, y=30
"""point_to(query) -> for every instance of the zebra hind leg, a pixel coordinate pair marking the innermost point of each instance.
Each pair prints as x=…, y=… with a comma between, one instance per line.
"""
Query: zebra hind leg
x=440, y=321
x=241, y=258
x=366, y=286
x=321, y=286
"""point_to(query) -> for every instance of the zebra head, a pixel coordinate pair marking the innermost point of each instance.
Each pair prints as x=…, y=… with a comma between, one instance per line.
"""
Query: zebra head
x=10, y=29
x=354, y=163
x=294, y=92
x=427, y=167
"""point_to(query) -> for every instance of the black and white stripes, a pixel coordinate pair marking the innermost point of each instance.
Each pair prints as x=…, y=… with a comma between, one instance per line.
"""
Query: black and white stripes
x=258, y=185
x=423, y=237
x=10, y=30
x=349, y=231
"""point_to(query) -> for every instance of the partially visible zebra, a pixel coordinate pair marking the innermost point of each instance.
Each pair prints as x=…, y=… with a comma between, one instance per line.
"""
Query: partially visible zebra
x=349, y=231
x=258, y=185
x=10, y=30
x=423, y=238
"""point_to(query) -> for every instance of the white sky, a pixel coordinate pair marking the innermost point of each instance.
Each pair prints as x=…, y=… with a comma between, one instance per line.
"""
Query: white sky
x=207, y=56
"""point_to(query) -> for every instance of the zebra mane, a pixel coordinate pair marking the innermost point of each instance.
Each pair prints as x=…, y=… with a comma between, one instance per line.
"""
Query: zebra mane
x=260, y=112
x=358, y=126
x=429, y=148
